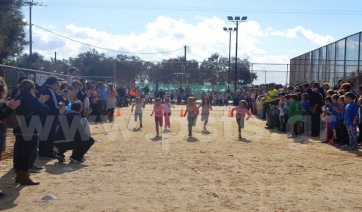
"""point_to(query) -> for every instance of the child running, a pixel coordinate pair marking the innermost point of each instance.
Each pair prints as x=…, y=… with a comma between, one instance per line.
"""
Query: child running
x=159, y=111
x=168, y=106
x=139, y=104
x=205, y=111
x=193, y=112
x=240, y=115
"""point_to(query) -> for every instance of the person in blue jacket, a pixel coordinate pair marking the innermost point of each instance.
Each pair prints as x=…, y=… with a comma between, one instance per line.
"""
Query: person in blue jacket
x=26, y=135
x=46, y=142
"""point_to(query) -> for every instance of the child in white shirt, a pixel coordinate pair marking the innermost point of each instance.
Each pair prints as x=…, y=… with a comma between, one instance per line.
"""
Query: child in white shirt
x=167, y=106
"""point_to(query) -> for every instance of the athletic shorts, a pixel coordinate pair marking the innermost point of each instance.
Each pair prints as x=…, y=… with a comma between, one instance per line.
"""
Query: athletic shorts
x=204, y=117
x=240, y=123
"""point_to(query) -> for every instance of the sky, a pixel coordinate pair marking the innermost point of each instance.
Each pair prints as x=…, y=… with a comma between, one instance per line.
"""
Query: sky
x=275, y=31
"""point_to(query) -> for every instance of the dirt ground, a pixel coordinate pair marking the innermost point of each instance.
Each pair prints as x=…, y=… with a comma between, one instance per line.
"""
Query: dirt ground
x=131, y=170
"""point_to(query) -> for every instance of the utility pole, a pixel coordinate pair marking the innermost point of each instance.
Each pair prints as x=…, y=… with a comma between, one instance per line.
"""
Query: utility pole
x=55, y=61
x=31, y=4
x=184, y=71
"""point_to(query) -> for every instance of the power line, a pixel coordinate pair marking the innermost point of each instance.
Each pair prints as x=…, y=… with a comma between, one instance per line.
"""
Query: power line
x=103, y=47
x=207, y=9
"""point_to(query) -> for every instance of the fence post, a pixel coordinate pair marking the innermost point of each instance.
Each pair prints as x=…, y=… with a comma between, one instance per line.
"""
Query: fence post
x=286, y=80
x=359, y=57
x=265, y=77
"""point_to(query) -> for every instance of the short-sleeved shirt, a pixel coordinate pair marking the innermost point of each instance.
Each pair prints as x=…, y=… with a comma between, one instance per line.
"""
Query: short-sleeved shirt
x=305, y=106
x=205, y=109
x=138, y=107
x=240, y=112
x=167, y=106
x=191, y=110
x=159, y=110
x=271, y=94
x=350, y=111
x=103, y=94
x=286, y=111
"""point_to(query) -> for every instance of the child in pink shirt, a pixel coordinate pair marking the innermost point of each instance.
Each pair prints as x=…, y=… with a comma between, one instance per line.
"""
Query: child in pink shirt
x=193, y=112
x=158, y=110
x=241, y=111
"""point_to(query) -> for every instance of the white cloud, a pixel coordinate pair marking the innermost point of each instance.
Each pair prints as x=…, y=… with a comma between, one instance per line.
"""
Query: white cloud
x=204, y=38
x=300, y=32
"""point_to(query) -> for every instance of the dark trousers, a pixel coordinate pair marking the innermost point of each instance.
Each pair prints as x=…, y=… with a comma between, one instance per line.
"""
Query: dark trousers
x=79, y=148
x=226, y=102
x=316, y=124
x=95, y=111
x=110, y=112
x=102, y=107
x=24, y=150
x=360, y=132
x=284, y=120
x=46, y=146
x=34, y=154
x=271, y=116
x=342, y=133
x=121, y=101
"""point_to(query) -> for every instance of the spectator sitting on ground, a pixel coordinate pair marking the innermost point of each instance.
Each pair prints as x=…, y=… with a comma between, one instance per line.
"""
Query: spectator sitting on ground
x=79, y=141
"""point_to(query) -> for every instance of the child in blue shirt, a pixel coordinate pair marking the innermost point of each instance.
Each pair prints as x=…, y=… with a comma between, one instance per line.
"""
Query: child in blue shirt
x=307, y=118
x=285, y=106
x=351, y=120
x=342, y=133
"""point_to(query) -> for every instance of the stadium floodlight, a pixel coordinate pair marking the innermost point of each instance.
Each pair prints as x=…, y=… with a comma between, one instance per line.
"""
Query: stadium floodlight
x=229, y=30
x=237, y=21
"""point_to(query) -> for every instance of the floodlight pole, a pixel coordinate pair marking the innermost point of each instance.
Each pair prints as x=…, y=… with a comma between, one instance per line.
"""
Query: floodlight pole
x=229, y=60
x=237, y=21
x=229, y=30
x=236, y=55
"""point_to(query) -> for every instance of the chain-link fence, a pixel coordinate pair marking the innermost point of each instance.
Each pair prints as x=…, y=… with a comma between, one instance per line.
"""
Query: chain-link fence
x=338, y=60
x=271, y=72
x=11, y=74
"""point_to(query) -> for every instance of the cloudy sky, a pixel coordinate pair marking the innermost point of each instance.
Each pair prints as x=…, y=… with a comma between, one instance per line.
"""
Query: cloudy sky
x=274, y=32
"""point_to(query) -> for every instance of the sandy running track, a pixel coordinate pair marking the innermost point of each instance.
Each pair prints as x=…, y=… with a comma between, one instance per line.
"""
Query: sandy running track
x=130, y=170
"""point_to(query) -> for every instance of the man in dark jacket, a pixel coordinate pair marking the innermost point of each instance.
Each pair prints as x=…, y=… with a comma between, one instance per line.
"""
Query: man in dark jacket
x=73, y=134
x=315, y=103
x=121, y=94
x=46, y=145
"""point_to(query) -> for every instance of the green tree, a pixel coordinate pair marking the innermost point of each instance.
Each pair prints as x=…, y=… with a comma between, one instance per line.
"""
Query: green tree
x=91, y=63
x=12, y=35
x=141, y=67
x=245, y=76
x=37, y=62
x=210, y=70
